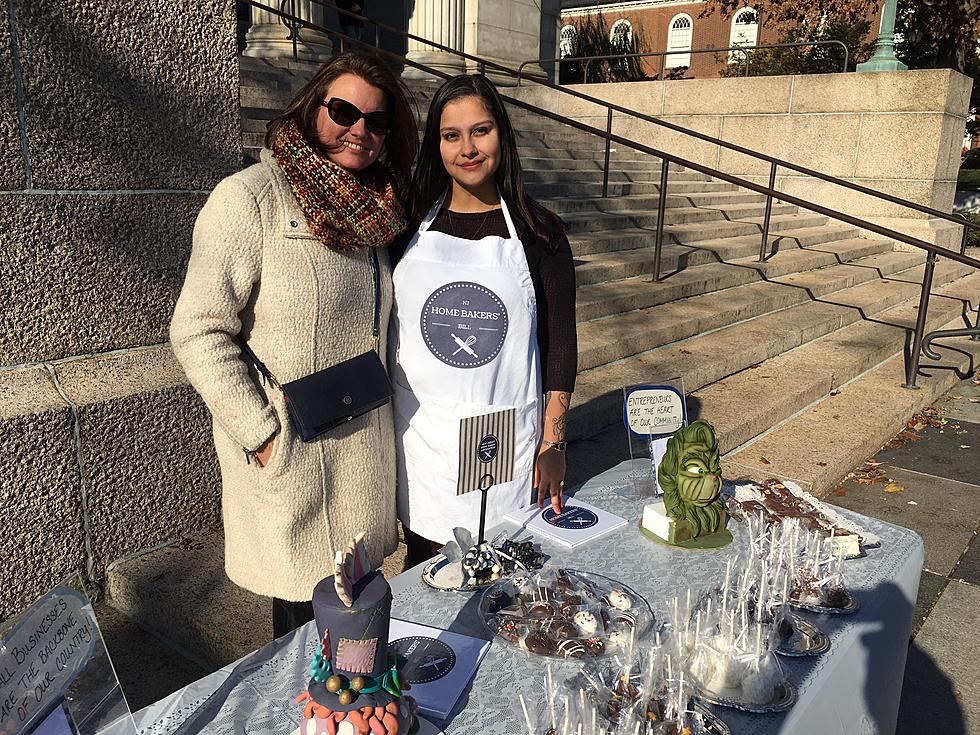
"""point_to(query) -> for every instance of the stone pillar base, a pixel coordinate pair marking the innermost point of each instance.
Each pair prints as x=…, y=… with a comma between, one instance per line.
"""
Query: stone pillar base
x=437, y=60
x=271, y=41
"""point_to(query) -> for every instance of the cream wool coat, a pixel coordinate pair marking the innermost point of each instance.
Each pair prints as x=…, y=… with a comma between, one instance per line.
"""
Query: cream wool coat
x=256, y=270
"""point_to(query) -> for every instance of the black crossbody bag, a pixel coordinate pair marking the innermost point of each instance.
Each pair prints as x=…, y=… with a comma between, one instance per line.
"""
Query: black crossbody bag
x=333, y=396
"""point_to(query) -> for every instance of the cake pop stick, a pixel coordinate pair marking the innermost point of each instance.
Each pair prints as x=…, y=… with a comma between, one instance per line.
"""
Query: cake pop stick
x=527, y=715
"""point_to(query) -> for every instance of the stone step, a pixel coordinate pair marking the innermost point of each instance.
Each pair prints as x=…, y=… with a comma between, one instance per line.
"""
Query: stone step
x=622, y=335
x=555, y=190
x=848, y=421
x=709, y=357
x=579, y=222
x=595, y=175
x=594, y=163
x=611, y=266
x=716, y=232
x=615, y=297
x=630, y=203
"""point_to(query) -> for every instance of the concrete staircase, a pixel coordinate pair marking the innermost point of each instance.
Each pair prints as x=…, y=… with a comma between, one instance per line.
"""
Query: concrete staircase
x=797, y=361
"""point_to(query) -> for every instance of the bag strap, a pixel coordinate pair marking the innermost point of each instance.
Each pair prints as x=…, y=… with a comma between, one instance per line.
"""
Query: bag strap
x=375, y=329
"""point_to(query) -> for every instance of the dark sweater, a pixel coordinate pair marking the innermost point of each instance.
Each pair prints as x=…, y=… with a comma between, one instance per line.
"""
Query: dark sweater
x=553, y=277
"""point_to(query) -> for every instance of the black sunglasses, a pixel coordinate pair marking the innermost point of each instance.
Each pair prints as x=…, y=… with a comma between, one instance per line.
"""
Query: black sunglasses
x=345, y=114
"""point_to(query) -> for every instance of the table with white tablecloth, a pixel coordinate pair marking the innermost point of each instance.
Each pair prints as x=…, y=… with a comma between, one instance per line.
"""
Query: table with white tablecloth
x=852, y=689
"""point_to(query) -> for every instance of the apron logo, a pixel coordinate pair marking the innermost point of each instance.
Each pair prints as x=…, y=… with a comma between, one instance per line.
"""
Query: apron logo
x=488, y=448
x=464, y=324
x=573, y=517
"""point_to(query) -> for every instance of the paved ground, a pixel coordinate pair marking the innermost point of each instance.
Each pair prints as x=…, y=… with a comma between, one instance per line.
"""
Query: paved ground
x=927, y=479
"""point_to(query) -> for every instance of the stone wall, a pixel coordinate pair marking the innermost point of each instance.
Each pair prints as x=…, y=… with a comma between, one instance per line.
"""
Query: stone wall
x=896, y=132
x=116, y=119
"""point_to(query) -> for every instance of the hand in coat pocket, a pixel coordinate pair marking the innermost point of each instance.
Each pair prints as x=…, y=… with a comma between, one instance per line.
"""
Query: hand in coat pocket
x=264, y=453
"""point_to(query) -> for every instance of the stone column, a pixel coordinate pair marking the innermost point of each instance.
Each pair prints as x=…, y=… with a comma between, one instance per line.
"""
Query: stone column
x=507, y=32
x=440, y=21
x=269, y=37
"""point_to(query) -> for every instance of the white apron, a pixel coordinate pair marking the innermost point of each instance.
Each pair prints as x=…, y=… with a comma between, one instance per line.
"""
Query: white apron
x=463, y=337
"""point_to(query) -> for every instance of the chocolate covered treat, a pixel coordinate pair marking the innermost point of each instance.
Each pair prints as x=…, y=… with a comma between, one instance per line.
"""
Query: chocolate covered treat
x=354, y=686
x=570, y=648
x=540, y=643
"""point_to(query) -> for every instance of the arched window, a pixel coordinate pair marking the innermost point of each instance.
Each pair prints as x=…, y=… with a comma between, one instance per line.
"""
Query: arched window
x=745, y=31
x=621, y=36
x=679, y=39
x=567, y=42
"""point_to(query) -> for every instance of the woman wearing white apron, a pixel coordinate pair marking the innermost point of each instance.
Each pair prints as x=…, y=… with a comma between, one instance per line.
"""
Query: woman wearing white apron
x=484, y=320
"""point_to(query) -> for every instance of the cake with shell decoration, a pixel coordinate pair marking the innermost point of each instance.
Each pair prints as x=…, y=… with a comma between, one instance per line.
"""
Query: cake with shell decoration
x=355, y=687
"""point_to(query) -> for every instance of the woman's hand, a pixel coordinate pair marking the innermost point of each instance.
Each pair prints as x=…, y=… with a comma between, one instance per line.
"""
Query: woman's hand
x=549, y=477
x=264, y=453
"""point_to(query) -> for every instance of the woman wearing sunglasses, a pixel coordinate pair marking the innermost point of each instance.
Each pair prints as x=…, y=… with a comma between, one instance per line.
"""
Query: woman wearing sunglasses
x=484, y=320
x=288, y=258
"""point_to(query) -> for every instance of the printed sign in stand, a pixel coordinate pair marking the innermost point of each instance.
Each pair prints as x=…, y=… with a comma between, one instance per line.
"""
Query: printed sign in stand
x=486, y=456
x=652, y=413
x=56, y=677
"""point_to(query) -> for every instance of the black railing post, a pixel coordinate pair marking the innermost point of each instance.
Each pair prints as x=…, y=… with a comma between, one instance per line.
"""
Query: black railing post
x=764, y=248
x=294, y=30
x=663, y=66
x=605, y=162
x=377, y=36
x=966, y=234
x=661, y=206
x=912, y=366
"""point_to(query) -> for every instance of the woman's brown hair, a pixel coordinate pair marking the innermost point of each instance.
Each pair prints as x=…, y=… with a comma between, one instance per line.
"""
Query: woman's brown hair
x=401, y=142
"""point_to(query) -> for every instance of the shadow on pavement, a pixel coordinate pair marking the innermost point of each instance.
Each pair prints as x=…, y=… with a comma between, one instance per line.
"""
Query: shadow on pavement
x=929, y=701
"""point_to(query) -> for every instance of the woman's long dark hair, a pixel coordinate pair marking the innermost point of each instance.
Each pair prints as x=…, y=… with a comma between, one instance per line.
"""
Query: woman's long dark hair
x=401, y=142
x=431, y=178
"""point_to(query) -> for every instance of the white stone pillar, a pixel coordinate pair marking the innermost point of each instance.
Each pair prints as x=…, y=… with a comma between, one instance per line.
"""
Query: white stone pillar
x=507, y=32
x=440, y=21
x=269, y=38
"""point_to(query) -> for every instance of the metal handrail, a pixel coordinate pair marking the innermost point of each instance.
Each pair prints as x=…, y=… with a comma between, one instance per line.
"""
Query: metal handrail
x=483, y=64
x=664, y=54
x=933, y=251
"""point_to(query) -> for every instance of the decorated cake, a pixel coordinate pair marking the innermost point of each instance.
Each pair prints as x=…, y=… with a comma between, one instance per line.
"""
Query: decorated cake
x=690, y=477
x=354, y=686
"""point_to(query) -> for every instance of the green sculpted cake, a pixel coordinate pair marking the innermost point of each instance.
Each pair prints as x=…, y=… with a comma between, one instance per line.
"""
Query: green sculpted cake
x=689, y=476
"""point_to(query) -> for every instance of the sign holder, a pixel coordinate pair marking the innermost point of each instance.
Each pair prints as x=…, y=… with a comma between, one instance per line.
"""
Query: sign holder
x=56, y=677
x=486, y=456
x=651, y=414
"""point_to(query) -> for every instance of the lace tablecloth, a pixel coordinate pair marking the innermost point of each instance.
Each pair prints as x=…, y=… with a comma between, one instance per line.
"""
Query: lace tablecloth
x=852, y=689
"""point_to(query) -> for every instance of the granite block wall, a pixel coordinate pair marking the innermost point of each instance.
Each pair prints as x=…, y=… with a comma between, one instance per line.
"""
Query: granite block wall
x=116, y=120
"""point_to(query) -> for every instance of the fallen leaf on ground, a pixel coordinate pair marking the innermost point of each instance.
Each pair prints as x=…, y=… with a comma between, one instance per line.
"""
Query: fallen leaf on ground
x=953, y=398
x=821, y=464
x=912, y=502
x=764, y=460
x=975, y=400
x=872, y=462
x=892, y=488
x=840, y=492
x=964, y=446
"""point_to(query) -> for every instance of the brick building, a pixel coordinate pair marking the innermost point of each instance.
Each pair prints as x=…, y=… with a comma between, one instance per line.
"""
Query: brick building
x=666, y=25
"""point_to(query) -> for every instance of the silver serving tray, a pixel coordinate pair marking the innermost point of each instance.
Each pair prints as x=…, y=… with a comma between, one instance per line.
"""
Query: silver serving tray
x=851, y=607
x=642, y=611
x=441, y=574
x=808, y=639
x=784, y=698
x=712, y=722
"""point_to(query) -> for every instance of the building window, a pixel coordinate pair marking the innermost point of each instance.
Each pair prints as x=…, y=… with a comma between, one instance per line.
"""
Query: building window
x=679, y=39
x=567, y=42
x=621, y=36
x=745, y=32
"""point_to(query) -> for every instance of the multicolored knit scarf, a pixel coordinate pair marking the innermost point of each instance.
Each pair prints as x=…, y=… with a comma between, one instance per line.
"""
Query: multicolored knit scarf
x=346, y=211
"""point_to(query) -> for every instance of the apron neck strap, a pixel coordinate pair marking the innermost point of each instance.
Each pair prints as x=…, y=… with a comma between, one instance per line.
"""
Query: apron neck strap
x=438, y=205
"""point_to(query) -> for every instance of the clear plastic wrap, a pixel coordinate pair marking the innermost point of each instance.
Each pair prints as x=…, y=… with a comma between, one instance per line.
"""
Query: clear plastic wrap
x=563, y=613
